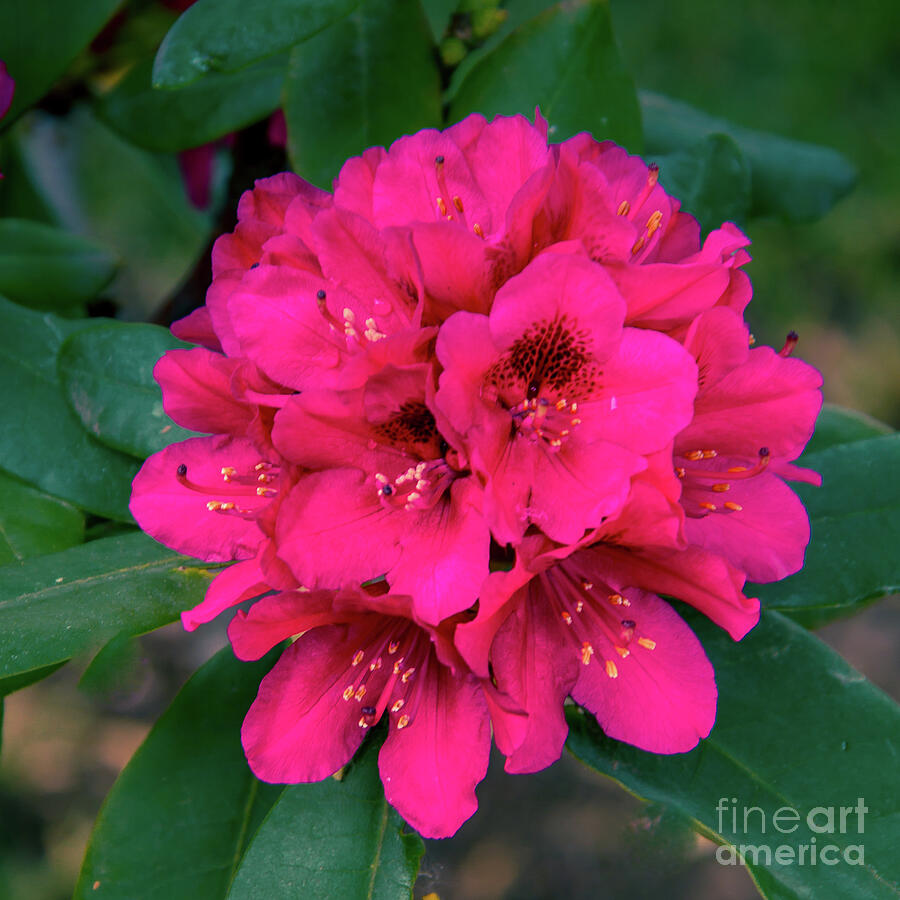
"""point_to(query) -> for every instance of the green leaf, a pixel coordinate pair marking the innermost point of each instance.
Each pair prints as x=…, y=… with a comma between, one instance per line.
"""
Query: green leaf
x=115, y=666
x=566, y=61
x=177, y=820
x=711, y=179
x=54, y=607
x=226, y=35
x=170, y=120
x=133, y=202
x=332, y=839
x=791, y=179
x=439, y=13
x=47, y=268
x=364, y=81
x=796, y=727
x=836, y=425
x=516, y=14
x=855, y=518
x=41, y=440
x=107, y=376
x=26, y=679
x=33, y=523
x=40, y=38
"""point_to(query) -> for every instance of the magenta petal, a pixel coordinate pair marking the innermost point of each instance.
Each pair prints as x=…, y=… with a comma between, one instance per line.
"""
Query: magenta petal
x=765, y=538
x=278, y=323
x=196, y=386
x=231, y=586
x=333, y=530
x=431, y=767
x=558, y=285
x=647, y=394
x=7, y=89
x=197, y=328
x=179, y=517
x=662, y=296
x=445, y=555
x=299, y=728
x=693, y=575
x=662, y=699
x=577, y=488
x=276, y=618
x=769, y=401
x=537, y=665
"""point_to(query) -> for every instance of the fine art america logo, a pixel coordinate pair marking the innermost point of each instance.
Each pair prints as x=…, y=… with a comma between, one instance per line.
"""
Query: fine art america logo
x=753, y=822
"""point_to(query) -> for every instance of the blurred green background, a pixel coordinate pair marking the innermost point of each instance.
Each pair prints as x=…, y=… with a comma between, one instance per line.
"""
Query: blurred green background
x=825, y=73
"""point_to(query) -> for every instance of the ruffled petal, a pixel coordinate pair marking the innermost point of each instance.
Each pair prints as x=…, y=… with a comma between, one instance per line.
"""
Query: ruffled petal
x=661, y=697
x=178, y=516
x=299, y=728
x=237, y=583
x=431, y=767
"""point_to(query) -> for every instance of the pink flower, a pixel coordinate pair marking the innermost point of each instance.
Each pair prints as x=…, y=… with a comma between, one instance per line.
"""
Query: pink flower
x=389, y=495
x=362, y=657
x=7, y=89
x=584, y=621
x=614, y=204
x=754, y=414
x=557, y=402
x=477, y=341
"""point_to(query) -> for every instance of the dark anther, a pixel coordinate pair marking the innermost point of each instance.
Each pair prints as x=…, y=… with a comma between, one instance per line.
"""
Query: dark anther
x=387, y=490
x=182, y=470
x=368, y=710
x=439, y=160
x=763, y=452
x=443, y=447
x=254, y=265
x=533, y=388
x=320, y=294
x=628, y=623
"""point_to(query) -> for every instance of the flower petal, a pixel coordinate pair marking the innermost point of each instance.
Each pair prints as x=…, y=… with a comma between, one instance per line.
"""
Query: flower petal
x=299, y=728
x=431, y=767
x=662, y=699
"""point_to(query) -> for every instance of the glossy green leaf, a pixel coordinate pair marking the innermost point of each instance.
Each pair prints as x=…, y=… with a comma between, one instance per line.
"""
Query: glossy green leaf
x=179, y=816
x=170, y=120
x=517, y=14
x=226, y=35
x=332, y=839
x=836, y=425
x=115, y=667
x=54, y=607
x=47, y=268
x=25, y=679
x=566, y=61
x=796, y=727
x=107, y=376
x=711, y=179
x=131, y=201
x=41, y=440
x=791, y=179
x=439, y=13
x=852, y=557
x=40, y=38
x=33, y=523
x=366, y=80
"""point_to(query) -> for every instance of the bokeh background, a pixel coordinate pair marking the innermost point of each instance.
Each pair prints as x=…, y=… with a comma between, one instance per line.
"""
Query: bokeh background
x=823, y=73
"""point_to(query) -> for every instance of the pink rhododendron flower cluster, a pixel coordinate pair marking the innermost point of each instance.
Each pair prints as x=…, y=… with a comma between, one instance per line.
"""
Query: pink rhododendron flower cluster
x=479, y=348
